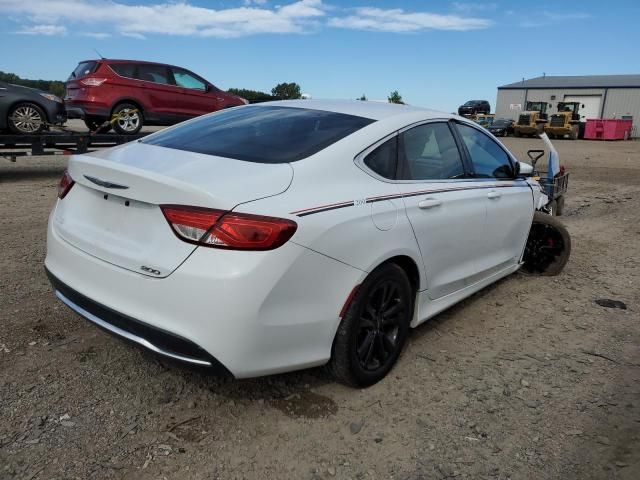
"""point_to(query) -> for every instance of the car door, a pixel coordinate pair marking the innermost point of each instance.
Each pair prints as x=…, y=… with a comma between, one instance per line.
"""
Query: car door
x=198, y=97
x=508, y=200
x=446, y=210
x=162, y=96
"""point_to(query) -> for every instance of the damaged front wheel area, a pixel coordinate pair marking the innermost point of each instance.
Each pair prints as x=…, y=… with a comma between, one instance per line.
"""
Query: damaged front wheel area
x=548, y=246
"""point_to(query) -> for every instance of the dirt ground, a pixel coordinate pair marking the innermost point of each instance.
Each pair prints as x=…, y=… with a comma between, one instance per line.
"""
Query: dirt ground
x=528, y=379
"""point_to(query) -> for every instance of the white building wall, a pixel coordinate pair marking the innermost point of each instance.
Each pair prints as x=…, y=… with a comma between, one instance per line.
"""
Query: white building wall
x=505, y=99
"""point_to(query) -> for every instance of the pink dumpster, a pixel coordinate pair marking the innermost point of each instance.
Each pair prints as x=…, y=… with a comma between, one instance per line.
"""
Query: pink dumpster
x=607, y=129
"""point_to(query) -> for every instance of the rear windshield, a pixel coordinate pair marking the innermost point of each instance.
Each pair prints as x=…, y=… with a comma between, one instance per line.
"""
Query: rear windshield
x=262, y=134
x=83, y=69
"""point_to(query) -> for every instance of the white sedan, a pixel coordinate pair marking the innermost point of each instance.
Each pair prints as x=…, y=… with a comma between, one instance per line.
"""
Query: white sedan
x=286, y=235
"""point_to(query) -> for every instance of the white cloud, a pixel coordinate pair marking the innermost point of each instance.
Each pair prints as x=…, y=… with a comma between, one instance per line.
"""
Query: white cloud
x=397, y=20
x=474, y=7
x=98, y=35
x=181, y=18
x=172, y=18
x=43, y=30
x=549, y=18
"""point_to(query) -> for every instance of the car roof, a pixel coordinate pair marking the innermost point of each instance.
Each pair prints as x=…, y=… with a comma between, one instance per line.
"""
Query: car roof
x=367, y=109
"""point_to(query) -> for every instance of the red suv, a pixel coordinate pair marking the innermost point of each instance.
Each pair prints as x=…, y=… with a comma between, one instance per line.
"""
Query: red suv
x=141, y=93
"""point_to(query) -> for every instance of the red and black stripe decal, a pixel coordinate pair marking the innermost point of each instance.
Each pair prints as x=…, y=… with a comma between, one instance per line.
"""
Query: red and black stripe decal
x=381, y=198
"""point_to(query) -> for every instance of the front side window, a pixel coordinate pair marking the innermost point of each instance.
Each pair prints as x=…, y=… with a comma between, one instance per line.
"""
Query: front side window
x=153, y=73
x=262, y=134
x=429, y=152
x=384, y=158
x=488, y=158
x=185, y=79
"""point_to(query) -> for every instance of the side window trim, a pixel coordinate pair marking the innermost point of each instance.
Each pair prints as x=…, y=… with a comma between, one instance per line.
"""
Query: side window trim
x=359, y=158
x=468, y=156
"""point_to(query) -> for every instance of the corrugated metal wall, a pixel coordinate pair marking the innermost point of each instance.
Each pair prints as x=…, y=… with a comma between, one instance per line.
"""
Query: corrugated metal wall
x=507, y=97
x=624, y=101
x=504, y=101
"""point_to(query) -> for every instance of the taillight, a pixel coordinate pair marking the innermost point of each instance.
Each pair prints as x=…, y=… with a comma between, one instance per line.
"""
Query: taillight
x=230, y=230
x=92, y=81
x=64, y=185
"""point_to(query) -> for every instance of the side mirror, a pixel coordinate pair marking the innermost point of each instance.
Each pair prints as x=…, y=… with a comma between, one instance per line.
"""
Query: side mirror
x=207, y=87
x=523, y=169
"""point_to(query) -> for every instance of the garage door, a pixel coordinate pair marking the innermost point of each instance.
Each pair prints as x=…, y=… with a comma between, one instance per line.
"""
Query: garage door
x=589, y=105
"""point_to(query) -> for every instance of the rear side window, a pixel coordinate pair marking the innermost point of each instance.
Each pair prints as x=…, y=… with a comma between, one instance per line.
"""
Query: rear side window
x=153, y=73
x=83, y=69
x=489, y=160
x=262, y=134
x=384, y=159
x=124, y=69
x=429, y=152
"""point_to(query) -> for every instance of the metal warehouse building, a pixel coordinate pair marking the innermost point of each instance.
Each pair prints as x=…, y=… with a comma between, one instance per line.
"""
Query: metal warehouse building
x=600, y=96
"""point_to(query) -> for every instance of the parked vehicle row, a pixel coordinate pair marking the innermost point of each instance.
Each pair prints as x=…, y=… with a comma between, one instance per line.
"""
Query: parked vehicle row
x=121, y=94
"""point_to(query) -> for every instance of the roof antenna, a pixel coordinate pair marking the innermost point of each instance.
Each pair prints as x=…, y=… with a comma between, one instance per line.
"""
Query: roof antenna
x=99, y=54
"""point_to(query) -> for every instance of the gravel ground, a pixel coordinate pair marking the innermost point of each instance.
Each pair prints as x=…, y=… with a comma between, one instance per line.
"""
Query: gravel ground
x=529, y=378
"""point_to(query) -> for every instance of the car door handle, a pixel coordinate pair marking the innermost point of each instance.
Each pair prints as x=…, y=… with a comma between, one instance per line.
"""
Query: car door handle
x=494, y=194
x=429, y=203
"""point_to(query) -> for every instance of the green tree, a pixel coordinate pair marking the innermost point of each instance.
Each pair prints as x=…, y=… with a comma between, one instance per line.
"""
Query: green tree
x=395, y=97
x=52, y=86
x=252, y=96
x=286, y=91
x=363, y=98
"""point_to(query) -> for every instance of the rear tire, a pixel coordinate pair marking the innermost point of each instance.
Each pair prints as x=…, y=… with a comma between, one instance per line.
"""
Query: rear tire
x=26, y=118
x=516, y=133
x=130, y=119
x=548, y=247
x=374, y=329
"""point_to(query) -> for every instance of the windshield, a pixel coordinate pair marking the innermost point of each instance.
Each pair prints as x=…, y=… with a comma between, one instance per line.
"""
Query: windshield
x=501, y=123
x=470, y=103
x=83, y=69
x=262, y=134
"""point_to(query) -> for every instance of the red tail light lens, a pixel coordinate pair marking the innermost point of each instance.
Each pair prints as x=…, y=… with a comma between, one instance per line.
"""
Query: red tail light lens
x=234, y=231
x=65, y=184
x=93, y=82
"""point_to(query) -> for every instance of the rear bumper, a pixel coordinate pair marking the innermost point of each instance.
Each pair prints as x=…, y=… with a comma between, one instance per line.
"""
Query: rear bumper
x=255, y=313
x=154, y=339
x=76, y=109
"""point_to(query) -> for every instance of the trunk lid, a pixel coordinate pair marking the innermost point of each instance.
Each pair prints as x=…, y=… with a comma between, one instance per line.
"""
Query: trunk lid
x=113, y=211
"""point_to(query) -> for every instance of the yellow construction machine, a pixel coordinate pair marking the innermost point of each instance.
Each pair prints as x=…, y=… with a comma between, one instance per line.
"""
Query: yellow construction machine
x=565, y=122
x=532, y=120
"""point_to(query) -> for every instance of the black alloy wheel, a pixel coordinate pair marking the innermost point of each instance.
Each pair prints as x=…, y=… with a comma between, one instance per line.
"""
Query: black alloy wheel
x=373, y=331
x=548, y=246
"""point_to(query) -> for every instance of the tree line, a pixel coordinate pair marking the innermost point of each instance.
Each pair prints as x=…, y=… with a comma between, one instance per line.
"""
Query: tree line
x=52, y=86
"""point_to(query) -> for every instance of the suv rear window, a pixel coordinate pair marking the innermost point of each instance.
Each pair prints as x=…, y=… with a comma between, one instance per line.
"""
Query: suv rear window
x=83, y=69
x=262, y=134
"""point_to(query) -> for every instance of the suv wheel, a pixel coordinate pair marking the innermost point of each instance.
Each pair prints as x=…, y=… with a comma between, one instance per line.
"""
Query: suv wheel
x=128, y=119
x=26, y=118
x=373, y=331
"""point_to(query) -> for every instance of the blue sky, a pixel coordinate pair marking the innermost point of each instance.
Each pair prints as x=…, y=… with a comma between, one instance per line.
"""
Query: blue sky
x=437, y=54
